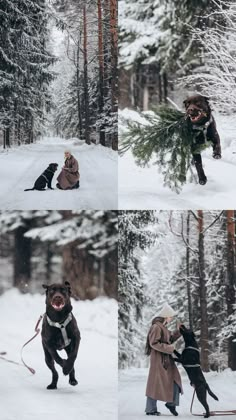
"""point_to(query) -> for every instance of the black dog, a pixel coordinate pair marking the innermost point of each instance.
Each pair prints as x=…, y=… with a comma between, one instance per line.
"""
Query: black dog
x=203, y=127
x=45, y=179
x=60, y=331
x=190, y=359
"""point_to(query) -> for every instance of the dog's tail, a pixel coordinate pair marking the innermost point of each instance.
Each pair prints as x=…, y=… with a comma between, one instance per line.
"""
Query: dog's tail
x=211, y=393
x=30, y=189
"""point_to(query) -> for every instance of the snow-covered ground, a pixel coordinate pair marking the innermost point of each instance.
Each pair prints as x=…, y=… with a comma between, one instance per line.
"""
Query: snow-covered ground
x=20, y=167
x=24, y=396
x=142, y=188
x=132, y=386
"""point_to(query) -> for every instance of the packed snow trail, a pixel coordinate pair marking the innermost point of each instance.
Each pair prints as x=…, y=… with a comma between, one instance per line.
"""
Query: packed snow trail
x=142, y=188
x=20, y=167
x=24, y=396
x=132, y=386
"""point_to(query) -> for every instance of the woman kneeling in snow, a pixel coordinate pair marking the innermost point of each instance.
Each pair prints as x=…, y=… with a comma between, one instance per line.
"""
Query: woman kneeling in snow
x=68, y=178
x=164, y=382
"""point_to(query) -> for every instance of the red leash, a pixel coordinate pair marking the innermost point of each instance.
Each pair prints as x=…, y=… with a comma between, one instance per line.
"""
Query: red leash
x=37, y=331
x=212, y=413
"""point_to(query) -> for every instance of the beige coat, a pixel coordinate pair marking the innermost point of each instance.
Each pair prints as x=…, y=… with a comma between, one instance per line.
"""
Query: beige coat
x=69, y=174
x=163, y=371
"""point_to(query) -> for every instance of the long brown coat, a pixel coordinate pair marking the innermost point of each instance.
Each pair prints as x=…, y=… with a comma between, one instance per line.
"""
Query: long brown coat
x=163, y=371
x=69, y=175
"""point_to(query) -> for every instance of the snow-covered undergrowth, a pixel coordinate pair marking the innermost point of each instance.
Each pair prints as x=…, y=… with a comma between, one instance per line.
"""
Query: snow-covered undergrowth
x=24, y=396
x=142, y=188
x=21, y=166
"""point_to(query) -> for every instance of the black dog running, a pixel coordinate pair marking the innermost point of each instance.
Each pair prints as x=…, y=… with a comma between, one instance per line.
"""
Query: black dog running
x=60, y=332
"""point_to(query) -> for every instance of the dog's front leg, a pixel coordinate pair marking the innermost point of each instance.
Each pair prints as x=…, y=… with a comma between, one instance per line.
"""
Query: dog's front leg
x=71, y=351
x=56, y=356
x=50, y=185
x=214, y=137
x=50, y=363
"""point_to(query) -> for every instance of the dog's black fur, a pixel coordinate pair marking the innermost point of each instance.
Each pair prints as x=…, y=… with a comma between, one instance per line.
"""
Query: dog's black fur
x=199, y=115
x=58, y=307
x=45, y=179
x=192, y=357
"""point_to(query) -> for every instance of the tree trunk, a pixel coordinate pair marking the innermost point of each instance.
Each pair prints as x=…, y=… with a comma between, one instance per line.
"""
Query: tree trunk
x=231, y=282
x=145, y=98
x=101, y=70
x=114, y=70
x=86, y=94
x=78, y=269
x=22, y=258
x=203, y=296
x=49, y=255
x=165, y=87
x=78, y=93
x=7, y=137
x=106, y=50
x=160, y=88
x=190, y=313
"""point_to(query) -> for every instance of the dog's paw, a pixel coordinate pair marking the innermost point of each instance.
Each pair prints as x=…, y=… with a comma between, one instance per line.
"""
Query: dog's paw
x=73, y=382
x=52, y=386
x=216, y=155
x=67, y=368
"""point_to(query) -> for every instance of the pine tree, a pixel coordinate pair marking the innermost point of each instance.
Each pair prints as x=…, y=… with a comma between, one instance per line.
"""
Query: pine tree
x=167, y=136
x=24, y=70
x=134, y=234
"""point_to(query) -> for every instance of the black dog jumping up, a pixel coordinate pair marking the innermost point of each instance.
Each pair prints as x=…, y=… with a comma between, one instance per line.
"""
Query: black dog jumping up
x=203, y=127
x=45, y=179
x=60, y=332
x=190, y=359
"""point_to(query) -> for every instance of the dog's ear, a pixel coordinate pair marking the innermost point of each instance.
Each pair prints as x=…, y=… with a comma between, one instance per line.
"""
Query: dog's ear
x=45, y=286
x=182, y=327
x=185, y=103
x=67, y=284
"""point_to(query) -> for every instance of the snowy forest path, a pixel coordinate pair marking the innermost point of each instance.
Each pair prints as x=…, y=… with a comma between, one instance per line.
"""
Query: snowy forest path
x=132, y=395
x=20, y=167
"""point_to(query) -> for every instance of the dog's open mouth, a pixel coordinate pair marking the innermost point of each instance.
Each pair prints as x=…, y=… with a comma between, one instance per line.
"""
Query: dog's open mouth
x=58, y=303
x=196, y=115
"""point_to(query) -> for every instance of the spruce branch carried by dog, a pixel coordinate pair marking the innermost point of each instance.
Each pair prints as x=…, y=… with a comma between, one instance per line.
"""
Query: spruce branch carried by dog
x=175, y=139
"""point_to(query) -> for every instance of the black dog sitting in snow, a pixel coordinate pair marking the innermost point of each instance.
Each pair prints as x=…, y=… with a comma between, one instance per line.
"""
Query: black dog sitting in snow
x=45, y=179
x=60, y=332
x=203, y=126
x=190, y=359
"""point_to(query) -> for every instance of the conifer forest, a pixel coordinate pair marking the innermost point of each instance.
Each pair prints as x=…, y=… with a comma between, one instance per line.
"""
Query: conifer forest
x=58, y=71
x=185, y=258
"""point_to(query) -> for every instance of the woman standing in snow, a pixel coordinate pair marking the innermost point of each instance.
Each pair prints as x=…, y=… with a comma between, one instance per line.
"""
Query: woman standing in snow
x=164, y=382
x=68, y=178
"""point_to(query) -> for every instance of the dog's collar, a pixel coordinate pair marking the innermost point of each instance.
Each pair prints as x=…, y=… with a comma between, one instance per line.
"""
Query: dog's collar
x=62, y=326
x=45, y=177
x=192, y=348
x=191, y=366
x=203, y=126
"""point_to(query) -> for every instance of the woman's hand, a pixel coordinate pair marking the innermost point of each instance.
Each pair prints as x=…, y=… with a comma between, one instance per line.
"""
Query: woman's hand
x=172, y=348
x=178, y=325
